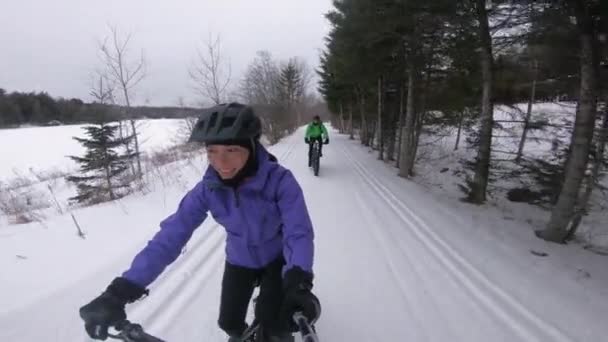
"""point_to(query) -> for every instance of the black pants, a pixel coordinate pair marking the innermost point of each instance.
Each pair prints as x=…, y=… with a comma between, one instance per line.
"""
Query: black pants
x=238, y=284
x=310, y=144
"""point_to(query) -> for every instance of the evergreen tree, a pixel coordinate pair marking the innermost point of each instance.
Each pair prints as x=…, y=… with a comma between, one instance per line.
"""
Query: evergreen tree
x=101, y=166
x=292, y=88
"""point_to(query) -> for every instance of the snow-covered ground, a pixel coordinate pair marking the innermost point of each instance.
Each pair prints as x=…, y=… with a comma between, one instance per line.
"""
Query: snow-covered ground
x=440, y=167
x=395, y=260
x=35, y=162
x=31, y=150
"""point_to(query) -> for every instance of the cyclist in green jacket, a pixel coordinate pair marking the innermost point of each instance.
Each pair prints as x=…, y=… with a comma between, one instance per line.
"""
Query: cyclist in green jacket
x=316, y=131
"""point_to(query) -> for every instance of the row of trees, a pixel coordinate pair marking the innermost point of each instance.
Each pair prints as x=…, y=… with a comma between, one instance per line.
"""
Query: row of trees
x=18, y=108
x=280, y=92
x=390, y=66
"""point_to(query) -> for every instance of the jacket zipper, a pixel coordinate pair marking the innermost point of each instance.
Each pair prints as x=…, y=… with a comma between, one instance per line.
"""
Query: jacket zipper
x=236, y=197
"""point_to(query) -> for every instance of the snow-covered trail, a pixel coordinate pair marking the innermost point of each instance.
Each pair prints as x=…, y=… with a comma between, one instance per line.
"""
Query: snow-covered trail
x=383, y=271
x=391, y=263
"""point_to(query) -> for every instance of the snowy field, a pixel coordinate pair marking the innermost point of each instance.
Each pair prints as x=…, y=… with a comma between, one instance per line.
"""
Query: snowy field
x=45, y=149
x=395, y=260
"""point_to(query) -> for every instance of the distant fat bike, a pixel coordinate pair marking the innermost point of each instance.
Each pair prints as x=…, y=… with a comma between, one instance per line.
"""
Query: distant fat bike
x=315, y=156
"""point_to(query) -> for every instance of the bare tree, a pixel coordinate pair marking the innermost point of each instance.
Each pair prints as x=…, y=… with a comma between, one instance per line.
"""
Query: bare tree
x=211, y=73
x=102, y=89
x=187, y=124
x=261, y=82
x=126, y=74
x=276, y=97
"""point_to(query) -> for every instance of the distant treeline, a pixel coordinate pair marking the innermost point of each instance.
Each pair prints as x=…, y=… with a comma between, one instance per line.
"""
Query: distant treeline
x=41, y=109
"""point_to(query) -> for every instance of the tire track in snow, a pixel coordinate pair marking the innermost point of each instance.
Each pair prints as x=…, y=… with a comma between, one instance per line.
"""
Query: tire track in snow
x=287, y=153
x=419, y=264
x=194, y=272
x=163, y=314
x=480, y=288
x=397, y=242
x=167, y=280
x=183, y=294
x=421, y=332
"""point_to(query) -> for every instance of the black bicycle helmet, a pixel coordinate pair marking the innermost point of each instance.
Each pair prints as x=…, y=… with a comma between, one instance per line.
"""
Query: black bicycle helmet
x=226, y=123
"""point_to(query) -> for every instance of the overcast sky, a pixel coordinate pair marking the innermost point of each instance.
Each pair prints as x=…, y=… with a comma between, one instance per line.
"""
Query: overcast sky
x=52, y=45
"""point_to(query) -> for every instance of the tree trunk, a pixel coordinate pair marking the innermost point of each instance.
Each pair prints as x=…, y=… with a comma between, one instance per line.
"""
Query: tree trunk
x=390, y=135
x=137, y=154
x=400, y=124
x=482, y=167
x=106, y=165
x=592, y=179
x=123, y=134
x=371, y=134
x=566, y=208
x=363, y=128
x=108, y=180
x=421, y=116
x=460, y=121
x=379, y=122
x=125, y=89
x=522, y=142
x=342, y=129
x=406, y=162
x=134, y=130
x=298, y=116
x=350, y=121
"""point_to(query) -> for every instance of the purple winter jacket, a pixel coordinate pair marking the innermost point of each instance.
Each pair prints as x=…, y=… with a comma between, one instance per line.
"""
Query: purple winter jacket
x=264, y=217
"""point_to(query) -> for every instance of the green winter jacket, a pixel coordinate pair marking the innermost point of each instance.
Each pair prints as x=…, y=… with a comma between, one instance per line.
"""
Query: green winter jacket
x=315, y=131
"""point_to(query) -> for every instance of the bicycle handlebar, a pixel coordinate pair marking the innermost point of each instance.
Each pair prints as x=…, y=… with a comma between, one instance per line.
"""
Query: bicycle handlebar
x=132, y=332
x=307, y=332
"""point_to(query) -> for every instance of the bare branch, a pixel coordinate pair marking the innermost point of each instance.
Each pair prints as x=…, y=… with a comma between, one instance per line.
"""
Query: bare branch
x=210, y=73
x=127, y=75
x=101, y=88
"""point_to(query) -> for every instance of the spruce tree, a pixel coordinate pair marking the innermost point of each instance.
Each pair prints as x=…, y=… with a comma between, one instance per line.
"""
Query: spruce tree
x=101, y=166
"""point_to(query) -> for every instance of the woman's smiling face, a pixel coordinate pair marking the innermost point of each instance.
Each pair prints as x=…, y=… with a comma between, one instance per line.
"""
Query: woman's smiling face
x=227, y=160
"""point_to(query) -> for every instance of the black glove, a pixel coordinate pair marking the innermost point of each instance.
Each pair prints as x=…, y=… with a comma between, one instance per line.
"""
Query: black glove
x=109, y=308
x=326, y=141
x=306, y=140
x=297, y=285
